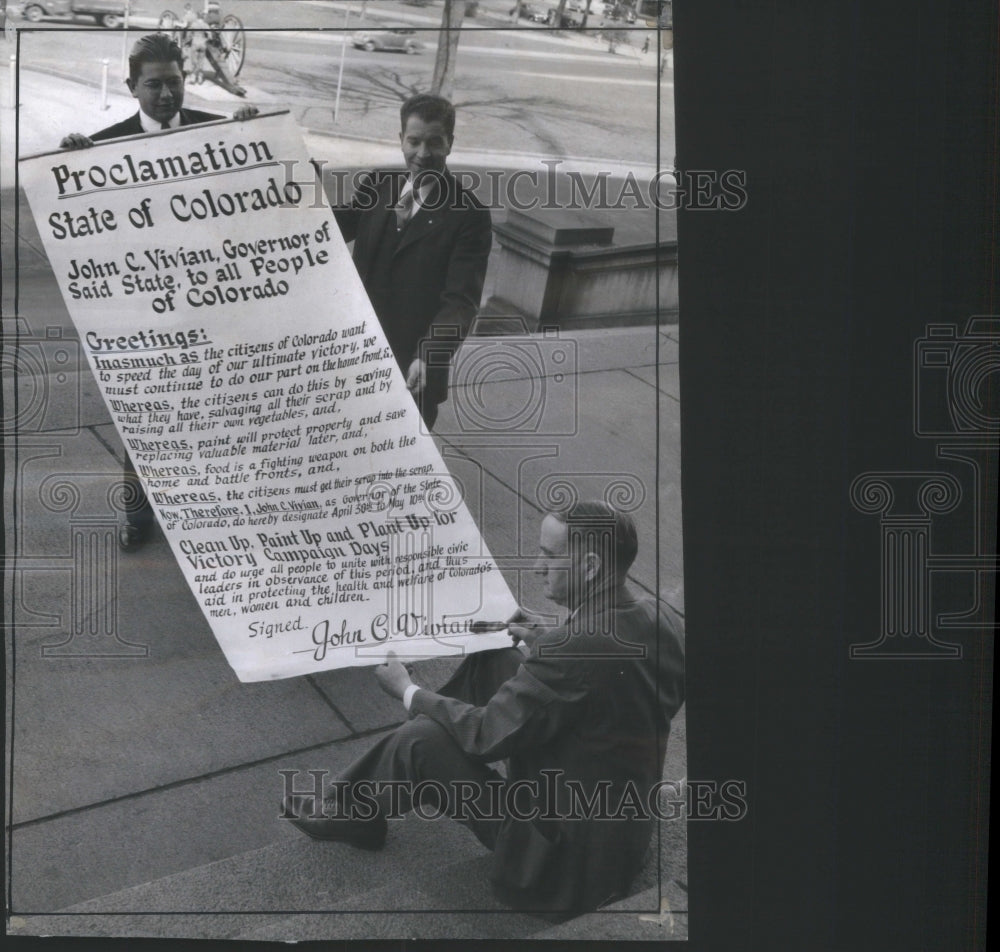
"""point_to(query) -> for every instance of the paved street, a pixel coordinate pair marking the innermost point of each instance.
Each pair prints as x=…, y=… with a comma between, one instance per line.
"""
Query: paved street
x=166, y=767
x=529, y=88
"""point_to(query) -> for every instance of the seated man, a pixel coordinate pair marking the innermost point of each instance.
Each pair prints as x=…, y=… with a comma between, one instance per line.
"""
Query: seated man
x=582, y=720
x=156, y=80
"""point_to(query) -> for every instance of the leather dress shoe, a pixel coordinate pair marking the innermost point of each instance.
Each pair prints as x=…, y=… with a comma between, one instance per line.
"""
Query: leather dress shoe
x=363, y=834
x=131, y=536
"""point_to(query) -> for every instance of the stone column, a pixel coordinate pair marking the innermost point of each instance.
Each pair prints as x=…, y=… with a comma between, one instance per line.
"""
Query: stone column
x=905, y=551
x=93, y=630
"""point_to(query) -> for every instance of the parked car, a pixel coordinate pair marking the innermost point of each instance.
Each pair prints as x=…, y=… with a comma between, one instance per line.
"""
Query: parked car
x=526, y=12
x=109, y=13
x=399, y=38
x=568, y=21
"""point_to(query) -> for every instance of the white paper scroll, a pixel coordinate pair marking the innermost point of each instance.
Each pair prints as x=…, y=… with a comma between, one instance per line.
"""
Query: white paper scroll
x=250, y=380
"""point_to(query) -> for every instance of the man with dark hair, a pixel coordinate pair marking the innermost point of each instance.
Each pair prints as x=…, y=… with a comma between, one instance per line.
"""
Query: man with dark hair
x=430, y=109
x=156, y=80
x=581, y=718
x=596, y=534
x=421, y=244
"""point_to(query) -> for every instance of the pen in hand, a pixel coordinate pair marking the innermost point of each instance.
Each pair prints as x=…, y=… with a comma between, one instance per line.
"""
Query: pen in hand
x=519, y=621
x=485, y=627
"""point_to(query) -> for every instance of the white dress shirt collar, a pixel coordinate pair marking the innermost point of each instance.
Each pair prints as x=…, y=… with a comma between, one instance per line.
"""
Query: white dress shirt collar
x=422, y=193
x=154, y=125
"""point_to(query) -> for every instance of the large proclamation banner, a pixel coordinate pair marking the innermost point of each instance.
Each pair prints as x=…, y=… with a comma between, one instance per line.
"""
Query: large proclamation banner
x=250, y=380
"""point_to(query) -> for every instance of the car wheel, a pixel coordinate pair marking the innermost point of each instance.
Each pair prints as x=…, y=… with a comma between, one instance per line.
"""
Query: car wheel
x=410, y=49
x=111, y=21
x=370, y=46
x=33, y=13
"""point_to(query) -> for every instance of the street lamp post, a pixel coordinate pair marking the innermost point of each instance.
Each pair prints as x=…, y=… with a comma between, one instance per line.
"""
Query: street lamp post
x=340, y=73
x=128, y=10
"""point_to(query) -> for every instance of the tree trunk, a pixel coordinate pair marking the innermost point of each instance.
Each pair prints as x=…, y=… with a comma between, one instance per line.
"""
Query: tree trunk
x=447, y=51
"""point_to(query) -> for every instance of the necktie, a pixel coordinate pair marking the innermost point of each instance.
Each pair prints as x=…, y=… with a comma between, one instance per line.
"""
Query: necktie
x=164, y=125
x=403, y=209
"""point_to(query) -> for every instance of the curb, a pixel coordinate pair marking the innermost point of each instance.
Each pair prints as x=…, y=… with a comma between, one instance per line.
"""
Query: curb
x=529, y=157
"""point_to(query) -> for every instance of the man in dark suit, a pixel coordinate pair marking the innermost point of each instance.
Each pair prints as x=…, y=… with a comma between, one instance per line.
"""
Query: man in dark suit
x=156, y=80
x=581, y=719
x=421, y=244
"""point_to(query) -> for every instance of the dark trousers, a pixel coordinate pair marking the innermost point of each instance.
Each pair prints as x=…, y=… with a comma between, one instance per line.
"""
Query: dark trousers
x=138, y=511
x=421, y=750
x=428, y=410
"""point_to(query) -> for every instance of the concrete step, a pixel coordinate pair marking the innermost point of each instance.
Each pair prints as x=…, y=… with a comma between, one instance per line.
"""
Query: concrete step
x=302, y=890
x=440, y=902
x=430, y=881
x=265, y=886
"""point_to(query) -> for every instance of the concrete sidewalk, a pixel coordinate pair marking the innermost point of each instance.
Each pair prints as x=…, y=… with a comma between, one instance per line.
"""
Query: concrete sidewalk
x=145, y=776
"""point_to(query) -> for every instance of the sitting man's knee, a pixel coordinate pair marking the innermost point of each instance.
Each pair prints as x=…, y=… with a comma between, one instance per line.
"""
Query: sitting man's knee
x=421, y=731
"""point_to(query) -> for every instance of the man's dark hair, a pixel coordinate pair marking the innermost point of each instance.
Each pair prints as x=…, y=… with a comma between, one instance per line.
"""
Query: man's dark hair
x=430, y=109
x=153, y=48
x=589, y=525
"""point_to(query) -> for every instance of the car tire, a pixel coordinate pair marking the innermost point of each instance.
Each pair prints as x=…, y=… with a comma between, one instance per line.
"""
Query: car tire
x=370, y=47
x=410, y=49
x=34, y=13
x=111, y=21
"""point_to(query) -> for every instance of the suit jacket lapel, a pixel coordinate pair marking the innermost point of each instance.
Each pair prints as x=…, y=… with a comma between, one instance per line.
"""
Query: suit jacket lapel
x=428, y=220
x=375, y=222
